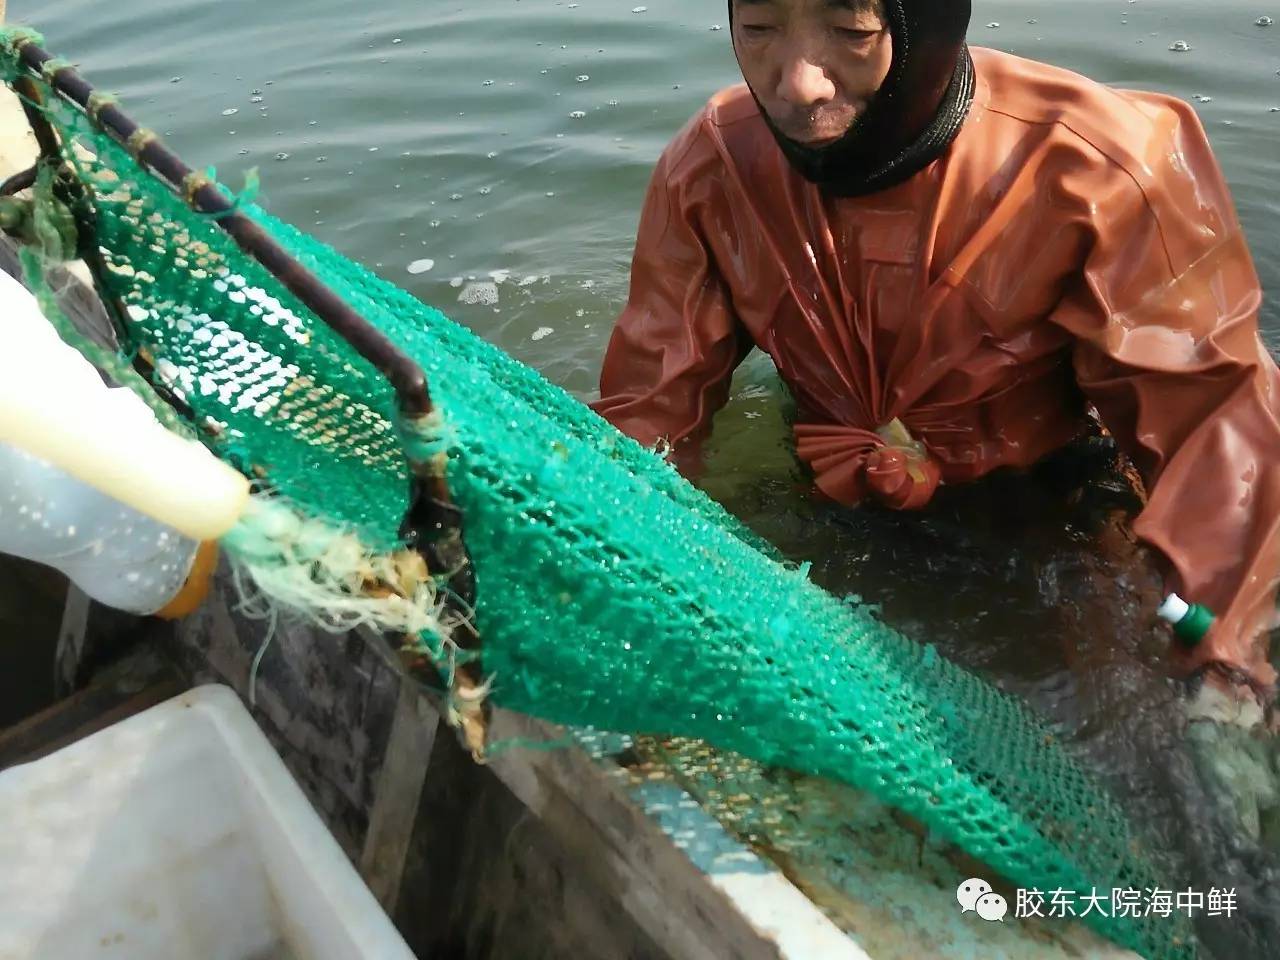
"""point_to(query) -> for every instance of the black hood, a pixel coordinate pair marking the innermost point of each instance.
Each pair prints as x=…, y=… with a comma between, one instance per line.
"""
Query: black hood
x=913, y=118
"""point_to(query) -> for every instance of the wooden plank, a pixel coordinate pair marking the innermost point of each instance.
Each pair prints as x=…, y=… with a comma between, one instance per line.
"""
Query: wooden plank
x=31, y=600
x=634, y=862
x=71, y=637
x=327, y=702
x=397, y=796
x=129, y=687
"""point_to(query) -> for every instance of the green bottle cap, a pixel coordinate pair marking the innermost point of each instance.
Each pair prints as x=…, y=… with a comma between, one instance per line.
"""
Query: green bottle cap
x=1192, y=628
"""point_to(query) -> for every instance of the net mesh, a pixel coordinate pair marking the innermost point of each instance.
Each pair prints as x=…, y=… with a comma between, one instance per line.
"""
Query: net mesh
x=611, y=592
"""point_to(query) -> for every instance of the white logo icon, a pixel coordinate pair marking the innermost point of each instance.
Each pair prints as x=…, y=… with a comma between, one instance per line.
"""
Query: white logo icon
x=967, y=893
x=992, y=906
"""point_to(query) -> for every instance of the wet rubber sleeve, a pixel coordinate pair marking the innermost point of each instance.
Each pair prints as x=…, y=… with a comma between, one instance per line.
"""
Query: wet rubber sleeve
x=1168, y=350
x=671, y=358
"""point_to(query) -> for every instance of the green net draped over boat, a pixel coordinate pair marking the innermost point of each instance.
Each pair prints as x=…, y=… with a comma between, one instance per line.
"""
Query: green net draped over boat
x=611, y=593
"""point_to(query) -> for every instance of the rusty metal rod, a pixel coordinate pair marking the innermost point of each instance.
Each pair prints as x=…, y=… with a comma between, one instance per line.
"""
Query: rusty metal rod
x=433, y=523
x=76, y=196
x=405, y=376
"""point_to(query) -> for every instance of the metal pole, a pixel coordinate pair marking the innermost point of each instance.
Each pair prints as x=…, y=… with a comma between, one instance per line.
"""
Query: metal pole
x=433, y=523
x=406, y=377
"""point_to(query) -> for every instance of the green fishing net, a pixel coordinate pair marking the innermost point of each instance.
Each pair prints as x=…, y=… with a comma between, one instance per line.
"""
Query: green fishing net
x=610, y=592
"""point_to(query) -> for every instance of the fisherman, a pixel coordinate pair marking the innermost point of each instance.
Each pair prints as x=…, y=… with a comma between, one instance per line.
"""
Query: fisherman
x=955, y=257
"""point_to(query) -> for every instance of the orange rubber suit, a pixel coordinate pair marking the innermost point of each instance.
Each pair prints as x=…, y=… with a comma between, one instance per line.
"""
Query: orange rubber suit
x=1076, y=245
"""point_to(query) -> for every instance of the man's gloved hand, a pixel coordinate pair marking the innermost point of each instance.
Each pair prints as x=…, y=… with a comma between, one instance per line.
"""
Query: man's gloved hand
x=1233, y=739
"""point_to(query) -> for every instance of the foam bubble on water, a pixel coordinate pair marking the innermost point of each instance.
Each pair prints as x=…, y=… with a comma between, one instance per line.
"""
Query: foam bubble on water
x=1180, y=46
x=542, y=333
x=639, y=9
x=421, y=266
x=499, y=276
x=577, y=115
x=456, y=282
x=583, y=78
x=479, y=293
x=230, y=111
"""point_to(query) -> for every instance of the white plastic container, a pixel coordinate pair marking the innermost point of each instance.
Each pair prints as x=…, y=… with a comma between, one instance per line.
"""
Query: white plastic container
x=177, y=834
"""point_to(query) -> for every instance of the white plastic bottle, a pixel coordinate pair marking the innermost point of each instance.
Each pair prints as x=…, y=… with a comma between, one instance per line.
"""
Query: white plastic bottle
x=113, y=553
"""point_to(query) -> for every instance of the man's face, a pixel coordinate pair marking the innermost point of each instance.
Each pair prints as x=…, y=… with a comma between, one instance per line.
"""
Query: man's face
x=814, y=65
